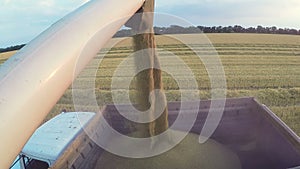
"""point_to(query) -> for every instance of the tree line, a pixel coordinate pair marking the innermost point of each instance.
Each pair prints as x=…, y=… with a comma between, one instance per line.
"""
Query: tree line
x=175, y=29
x=11, y=48
x=240, y=29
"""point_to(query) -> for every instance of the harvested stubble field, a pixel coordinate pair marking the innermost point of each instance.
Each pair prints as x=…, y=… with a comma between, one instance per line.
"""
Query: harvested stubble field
x=266, y=67
x=5, y=56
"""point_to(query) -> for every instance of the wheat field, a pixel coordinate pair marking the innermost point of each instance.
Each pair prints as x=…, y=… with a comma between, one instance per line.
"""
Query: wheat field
x=263, y=66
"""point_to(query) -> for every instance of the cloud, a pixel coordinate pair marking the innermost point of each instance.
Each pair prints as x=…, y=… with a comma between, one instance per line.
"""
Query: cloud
x=27, y=18
x=229, y=12
x=6, y=1
x=47, y=3
x=22, y=20
x=165, y=3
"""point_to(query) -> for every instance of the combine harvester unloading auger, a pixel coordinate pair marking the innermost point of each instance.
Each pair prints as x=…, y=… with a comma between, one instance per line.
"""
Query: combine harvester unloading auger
x=33, y=80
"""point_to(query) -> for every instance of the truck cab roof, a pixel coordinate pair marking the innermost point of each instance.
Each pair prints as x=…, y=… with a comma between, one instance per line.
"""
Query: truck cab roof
x=51, y=139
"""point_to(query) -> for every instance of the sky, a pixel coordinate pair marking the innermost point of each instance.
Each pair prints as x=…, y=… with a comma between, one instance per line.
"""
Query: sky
x=22, y=20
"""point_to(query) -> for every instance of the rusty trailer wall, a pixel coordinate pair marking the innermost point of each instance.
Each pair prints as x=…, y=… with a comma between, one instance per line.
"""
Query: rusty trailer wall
x=247, y=128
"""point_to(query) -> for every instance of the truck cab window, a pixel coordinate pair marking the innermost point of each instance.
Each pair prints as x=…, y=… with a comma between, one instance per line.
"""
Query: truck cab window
x=24, y=162
x=36, y=164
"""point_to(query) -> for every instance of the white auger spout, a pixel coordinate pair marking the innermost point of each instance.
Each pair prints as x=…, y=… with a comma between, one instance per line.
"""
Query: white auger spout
x=34, y=79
